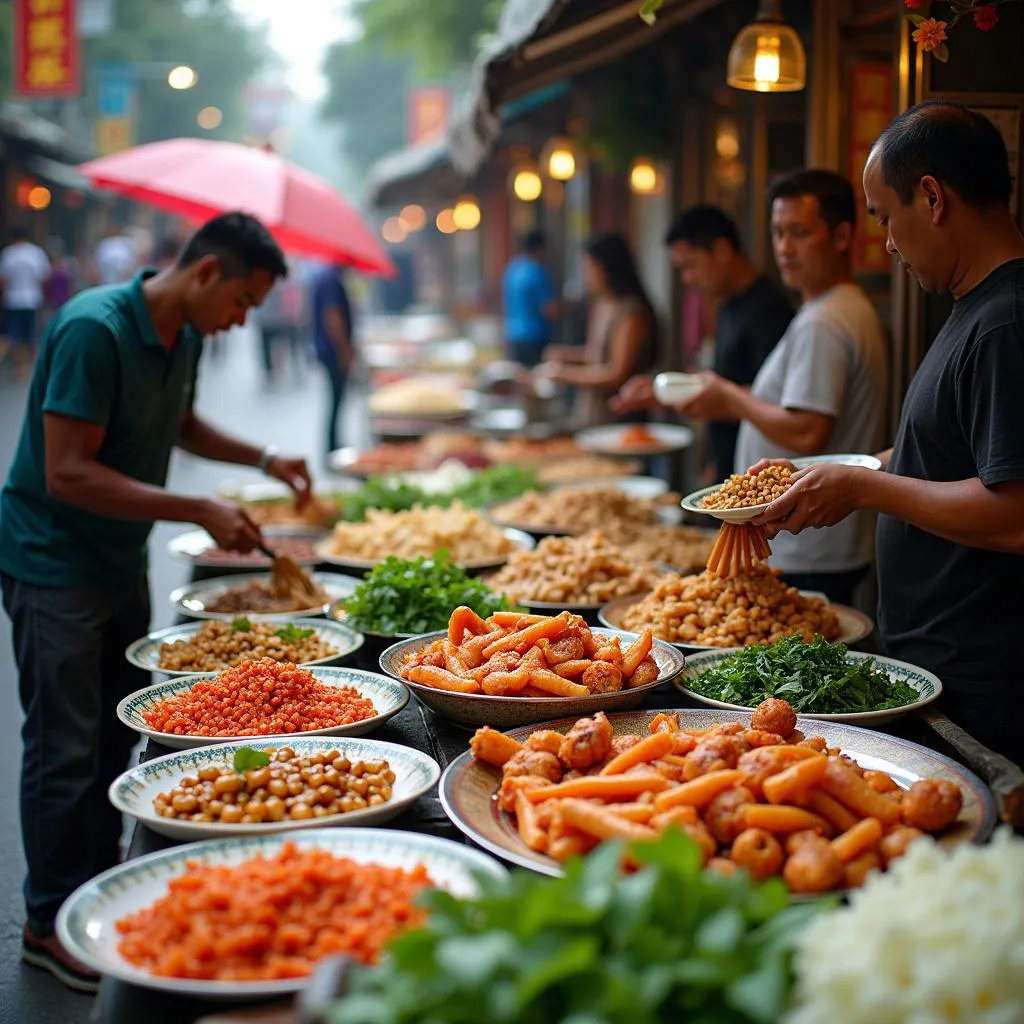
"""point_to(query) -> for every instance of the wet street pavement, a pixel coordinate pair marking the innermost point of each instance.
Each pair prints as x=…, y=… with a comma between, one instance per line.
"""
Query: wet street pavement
x=232, y=394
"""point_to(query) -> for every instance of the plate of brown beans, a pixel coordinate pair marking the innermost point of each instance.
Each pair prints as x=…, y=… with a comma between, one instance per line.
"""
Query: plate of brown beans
x=308, y=782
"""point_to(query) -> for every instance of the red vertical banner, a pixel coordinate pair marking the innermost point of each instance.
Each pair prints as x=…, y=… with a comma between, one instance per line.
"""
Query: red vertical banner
x=429, y=109
x=871, y=109
x=46, y=48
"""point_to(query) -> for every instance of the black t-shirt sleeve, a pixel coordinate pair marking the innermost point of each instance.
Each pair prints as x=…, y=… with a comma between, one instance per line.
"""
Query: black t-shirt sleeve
x=766, y=324
x=989, y=404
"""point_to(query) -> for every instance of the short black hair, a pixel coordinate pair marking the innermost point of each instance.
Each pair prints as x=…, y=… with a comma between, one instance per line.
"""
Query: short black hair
x=833, y=192
x=954, y=144
x=533, y=240
x=702, y=226
x=240, y=242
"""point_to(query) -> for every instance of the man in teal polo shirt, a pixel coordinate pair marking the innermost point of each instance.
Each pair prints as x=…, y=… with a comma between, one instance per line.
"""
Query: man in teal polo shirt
x=111, y=396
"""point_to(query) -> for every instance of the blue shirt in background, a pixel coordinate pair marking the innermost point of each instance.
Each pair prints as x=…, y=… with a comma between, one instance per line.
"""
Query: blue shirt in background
x=527, y=288
x=328, y=291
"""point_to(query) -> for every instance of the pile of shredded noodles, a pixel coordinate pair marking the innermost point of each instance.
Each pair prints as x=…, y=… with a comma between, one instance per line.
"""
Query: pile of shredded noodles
x=938, y=939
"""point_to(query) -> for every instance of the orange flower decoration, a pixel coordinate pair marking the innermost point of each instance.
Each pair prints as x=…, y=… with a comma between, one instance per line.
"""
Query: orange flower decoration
x=930, y=35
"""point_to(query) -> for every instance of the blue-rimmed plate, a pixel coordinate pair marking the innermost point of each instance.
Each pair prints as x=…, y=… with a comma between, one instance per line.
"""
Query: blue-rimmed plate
x=195, y=600
x=146, y=653
x=389, y=696
x=133, y=792
x=87, y=922
x=468, y=787
x=928, y=686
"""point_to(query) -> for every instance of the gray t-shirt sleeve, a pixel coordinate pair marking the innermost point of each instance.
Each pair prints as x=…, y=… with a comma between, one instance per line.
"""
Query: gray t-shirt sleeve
x=817, y=370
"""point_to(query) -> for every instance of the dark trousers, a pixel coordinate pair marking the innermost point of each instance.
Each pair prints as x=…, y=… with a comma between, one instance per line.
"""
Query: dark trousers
x=337, y=378
x=69, y=646
x=838, y=587
x=529, y=353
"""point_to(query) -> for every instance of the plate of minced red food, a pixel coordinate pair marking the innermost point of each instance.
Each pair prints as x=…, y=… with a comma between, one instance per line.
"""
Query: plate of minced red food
x=250, y=917
x=198, y=710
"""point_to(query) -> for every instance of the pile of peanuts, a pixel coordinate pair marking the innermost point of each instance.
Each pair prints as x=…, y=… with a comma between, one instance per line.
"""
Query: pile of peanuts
x=711, y=612
x=289, y=788
x=742, y=490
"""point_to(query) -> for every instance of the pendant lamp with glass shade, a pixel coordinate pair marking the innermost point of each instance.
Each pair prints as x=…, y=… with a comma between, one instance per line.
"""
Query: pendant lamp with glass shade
x=767, y=55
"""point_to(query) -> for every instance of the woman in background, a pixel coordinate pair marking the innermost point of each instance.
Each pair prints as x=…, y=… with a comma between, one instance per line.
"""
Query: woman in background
x=622, y=332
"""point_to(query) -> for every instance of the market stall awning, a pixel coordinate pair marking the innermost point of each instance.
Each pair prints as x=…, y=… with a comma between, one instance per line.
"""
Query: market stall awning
x=540, y=42
x=56, y=173
x=416, y=173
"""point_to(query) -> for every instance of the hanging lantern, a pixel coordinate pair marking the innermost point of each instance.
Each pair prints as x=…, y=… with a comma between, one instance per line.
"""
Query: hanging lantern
x=559, y=159
x=644, y=178
x=526, y=183
x=466, y=214
x=767, y=55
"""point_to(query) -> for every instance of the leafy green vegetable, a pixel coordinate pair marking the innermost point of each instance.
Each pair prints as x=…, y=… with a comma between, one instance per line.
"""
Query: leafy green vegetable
x=246, y=759
x=292, y=634
x=488, y=486
x=670, y=943
x=417, y=596
x=814, y=678
x=241, y=625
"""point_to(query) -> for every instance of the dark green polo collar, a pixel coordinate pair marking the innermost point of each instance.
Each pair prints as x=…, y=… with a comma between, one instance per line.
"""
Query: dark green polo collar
x=141, y=311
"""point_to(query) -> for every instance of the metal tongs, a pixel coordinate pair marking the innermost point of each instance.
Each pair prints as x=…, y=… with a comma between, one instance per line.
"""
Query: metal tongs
x=288, y=577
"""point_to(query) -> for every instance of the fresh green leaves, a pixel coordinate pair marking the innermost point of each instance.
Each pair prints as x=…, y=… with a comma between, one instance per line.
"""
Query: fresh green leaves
x=417, y=596
x=649, y=10
x=246, y=759
x=815, y=678
x=292, y=634
x=499, y=483
x=668, y=943
x=241, y=625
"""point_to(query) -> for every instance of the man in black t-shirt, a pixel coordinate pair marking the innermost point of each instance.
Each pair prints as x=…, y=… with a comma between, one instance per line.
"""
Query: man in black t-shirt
x=753, y=313
x=951, y=529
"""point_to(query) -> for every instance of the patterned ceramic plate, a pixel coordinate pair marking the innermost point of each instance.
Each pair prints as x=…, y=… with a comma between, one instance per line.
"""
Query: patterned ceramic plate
x=87, y=923
x=145, y=653
x=388, y=696
x=468, y=788
x=194, y=599
x=927, y=685
x=476, y=709
x=134, y=791
x=608, y=440
x=199, y=548
x=522, y=541
x=853, y=625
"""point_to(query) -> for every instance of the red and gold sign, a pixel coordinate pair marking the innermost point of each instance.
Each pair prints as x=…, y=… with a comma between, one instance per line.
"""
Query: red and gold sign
x=429, y=109
x=46, y=55
x=871, y=109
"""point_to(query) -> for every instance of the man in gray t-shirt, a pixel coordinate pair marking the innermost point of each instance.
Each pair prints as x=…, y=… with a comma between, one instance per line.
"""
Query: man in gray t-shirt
x=823, y=388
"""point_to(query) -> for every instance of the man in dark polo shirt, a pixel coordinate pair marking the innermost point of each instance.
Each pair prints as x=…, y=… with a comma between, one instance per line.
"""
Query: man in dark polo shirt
x=951, y=529
x=753, y=313
x=111, y=396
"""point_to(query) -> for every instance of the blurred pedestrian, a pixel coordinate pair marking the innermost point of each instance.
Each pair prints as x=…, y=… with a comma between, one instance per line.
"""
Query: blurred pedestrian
x=529, y=301
x=622, y=332
x=752, y=314
x=281, y=320
x=24, y=271
x=116, y=257
x=165, y=251
x=64, y=274
x=333, y=343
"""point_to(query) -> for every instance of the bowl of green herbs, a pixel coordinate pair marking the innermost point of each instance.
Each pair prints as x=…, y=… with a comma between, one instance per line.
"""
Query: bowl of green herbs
x=819, y=679
x=400, y=599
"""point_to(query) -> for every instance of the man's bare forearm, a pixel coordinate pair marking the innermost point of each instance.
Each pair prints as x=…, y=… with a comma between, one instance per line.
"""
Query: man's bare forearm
x=98, y=489
x=197, y=437
x=962, y=511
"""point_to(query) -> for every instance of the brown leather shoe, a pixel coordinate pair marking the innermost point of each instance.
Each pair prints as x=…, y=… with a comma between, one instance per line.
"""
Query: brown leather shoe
x=50, y=955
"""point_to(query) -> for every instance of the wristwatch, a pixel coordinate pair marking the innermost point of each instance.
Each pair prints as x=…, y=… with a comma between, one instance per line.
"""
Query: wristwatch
x=266, y=457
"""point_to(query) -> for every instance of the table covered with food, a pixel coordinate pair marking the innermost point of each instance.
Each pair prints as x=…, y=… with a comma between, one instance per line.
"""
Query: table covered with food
x=713, y=804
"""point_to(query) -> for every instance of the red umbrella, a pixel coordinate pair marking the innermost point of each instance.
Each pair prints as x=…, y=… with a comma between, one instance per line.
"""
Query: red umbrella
x=199, y=178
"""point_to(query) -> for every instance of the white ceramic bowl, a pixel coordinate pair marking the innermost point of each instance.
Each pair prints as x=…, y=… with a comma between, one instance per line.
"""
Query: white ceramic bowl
x=133, y=792
x=677, y=388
